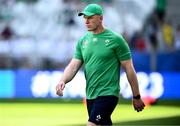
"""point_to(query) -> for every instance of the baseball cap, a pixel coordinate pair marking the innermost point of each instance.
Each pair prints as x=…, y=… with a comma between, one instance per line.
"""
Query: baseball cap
x=92, y=9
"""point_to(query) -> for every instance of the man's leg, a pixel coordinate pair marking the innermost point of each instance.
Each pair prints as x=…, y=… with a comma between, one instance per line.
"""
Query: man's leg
x=90, y=104
x=101, y=110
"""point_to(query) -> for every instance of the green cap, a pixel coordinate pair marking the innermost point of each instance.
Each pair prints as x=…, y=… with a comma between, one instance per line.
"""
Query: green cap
x=92, y=9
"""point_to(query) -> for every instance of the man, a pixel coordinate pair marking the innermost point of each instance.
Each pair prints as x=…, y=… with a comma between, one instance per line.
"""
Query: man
x=102, y=52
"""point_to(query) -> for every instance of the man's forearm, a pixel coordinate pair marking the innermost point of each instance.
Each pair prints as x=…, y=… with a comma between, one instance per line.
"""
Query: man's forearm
x=132, y=78
x=68, y=74
x=71, y=70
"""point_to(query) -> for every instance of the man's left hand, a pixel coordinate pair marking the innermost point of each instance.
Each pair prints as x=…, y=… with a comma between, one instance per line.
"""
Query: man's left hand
x=138, y=104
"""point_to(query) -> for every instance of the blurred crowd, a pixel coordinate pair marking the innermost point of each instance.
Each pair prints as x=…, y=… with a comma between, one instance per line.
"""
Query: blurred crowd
x=158, y=33
x=42, y=34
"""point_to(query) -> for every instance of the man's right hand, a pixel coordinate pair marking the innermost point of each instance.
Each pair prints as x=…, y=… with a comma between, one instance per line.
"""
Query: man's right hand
x=59, y=88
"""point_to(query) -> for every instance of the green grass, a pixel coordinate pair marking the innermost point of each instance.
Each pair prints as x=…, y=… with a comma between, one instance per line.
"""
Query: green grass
x=64, y=113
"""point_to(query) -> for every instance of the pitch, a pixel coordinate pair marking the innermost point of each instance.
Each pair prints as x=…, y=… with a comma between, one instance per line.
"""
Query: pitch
x=74, y=114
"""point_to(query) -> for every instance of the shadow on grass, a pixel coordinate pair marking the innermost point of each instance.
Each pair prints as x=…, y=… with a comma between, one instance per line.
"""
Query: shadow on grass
x=175, y=120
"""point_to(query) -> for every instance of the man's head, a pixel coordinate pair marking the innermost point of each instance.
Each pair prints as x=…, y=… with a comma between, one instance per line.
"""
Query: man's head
x=93, y=17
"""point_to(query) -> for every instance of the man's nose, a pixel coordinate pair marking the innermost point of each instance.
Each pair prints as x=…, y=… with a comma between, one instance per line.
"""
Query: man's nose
x=86, y=21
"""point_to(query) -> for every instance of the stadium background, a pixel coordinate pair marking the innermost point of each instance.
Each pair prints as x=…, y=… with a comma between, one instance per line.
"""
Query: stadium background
x=37, y=40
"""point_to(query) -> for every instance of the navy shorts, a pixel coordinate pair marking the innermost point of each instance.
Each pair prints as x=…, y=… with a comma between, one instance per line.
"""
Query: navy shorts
x=101, y=108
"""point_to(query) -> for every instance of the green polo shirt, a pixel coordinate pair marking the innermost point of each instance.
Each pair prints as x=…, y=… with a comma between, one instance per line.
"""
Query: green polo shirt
x=101, y=55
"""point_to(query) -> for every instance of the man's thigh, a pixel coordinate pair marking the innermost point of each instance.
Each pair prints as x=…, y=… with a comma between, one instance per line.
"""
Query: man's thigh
x=101, y=108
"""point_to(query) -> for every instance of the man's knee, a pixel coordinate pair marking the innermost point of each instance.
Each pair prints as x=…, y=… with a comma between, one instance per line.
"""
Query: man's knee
x=91, y=124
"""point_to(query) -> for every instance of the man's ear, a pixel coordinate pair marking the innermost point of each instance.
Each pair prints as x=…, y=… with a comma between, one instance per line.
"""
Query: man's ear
x=101, y=18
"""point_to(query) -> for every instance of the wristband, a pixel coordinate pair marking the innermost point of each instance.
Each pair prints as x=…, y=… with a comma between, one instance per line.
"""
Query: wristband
x=137, y=97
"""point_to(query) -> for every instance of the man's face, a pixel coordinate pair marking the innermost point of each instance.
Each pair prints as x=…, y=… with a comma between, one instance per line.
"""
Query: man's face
x=92, y=22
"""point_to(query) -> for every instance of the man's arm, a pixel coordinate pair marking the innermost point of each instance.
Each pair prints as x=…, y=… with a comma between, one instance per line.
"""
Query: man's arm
x=69, y=73
x=132, y=78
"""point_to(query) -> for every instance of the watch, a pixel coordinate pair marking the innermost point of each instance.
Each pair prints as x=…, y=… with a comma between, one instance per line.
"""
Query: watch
x=137, y=97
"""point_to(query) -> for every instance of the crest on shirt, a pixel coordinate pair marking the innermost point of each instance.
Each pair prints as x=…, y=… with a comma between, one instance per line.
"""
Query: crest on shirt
x=107, y=42
x=94, y=39
x=85, y=43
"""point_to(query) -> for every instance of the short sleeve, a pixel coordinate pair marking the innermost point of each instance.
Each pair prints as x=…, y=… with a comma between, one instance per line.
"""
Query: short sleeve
x=78, y=52
x=122, y=49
